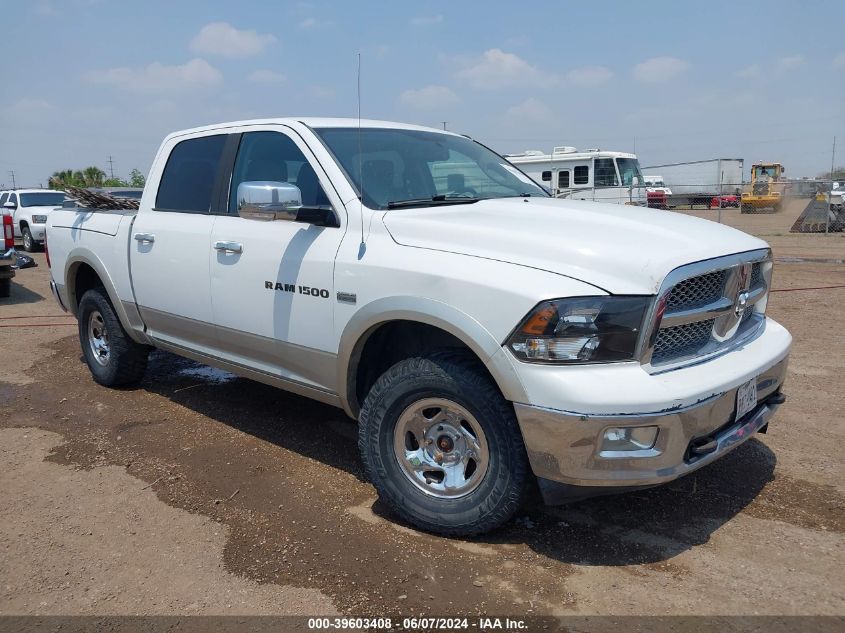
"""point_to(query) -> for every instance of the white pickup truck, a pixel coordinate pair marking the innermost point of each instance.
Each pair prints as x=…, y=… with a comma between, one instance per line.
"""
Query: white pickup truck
x=484, y=335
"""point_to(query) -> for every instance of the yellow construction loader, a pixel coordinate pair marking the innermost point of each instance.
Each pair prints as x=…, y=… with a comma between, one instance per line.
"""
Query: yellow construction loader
x=766, y=190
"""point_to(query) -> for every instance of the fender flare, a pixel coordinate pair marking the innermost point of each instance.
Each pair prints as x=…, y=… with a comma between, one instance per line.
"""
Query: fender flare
x=420, y=310
x=81, y=256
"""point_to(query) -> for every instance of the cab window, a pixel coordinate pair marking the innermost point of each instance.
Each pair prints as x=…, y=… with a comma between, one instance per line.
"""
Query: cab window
x=188, y=178
x=273, y=156
x=605, y=173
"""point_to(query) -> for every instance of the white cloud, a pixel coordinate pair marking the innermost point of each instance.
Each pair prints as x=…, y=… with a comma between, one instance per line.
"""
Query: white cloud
x=659, y=69
x=839, y=60
x=160, y=78
x=533, y=110
x=427, y=20
x=750, y=71
x=791, y=63
x=265, y=77
x=308, y=23
x=498, y=69
x=589, y=75
x=429, y=97
x=223, y=39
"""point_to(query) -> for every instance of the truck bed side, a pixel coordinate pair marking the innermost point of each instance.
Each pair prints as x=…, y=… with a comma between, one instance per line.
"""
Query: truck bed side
x=99, y=239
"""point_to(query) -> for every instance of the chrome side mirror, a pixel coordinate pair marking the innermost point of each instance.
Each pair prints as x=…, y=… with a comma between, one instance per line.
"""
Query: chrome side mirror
x=268, y=200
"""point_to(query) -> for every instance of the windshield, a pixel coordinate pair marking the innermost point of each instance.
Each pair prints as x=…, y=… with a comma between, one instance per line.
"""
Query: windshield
x=423, y=167
x=629, y=170
x=762, y=172
x=46, y=199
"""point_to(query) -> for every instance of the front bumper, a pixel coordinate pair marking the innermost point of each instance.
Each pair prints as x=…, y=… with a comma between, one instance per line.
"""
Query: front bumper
x=565, y=447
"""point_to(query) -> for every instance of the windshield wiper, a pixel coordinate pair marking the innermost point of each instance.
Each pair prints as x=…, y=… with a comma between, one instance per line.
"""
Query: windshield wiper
x=433, y=201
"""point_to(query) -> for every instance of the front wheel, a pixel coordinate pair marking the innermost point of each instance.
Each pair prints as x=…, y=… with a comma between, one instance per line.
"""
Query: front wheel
x=442, y=446
x=113, y=358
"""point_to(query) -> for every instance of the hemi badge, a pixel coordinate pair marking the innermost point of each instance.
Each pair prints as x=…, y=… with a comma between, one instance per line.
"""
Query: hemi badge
x=347, y=297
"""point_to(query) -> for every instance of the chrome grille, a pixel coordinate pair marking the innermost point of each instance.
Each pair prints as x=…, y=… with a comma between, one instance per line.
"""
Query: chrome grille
x=697, y=291
x=756, y=274
x=707, y=308
x=681, y=340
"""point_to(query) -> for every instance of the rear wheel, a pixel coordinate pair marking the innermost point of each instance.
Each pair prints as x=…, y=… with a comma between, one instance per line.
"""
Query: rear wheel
x=442, y=446
x=113, y=358
x=28, y=242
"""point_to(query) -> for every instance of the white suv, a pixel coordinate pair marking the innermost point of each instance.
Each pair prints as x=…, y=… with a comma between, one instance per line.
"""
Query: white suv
x=30, y=208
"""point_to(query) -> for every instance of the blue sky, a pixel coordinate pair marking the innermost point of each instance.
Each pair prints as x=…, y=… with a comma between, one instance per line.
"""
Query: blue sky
x=86, y=79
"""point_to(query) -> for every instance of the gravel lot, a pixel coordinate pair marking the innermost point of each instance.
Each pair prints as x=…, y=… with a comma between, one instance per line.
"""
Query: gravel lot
x=199, y=492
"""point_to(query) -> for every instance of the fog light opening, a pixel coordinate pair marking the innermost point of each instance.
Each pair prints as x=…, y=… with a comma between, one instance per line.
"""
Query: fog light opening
x=631, y=438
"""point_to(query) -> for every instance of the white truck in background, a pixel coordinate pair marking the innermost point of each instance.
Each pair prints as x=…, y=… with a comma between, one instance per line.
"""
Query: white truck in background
x=29, y=209
x=593, y=174
x=699, y=182
x=483, y=334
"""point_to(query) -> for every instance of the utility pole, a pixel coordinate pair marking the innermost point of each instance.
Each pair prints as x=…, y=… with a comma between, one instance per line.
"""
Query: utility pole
x=111, y=167
x=444, y=124
x=12, y=174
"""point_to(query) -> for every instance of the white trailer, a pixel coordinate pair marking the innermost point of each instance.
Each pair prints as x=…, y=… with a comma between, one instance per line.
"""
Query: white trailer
x=700, y=181
x=593, y=174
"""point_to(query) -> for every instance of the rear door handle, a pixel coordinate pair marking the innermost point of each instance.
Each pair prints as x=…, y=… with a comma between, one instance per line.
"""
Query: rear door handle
x=145, y=237
x=229, y=247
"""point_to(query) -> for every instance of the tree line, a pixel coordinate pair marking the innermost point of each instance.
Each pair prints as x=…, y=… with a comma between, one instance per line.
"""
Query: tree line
x=93, y=177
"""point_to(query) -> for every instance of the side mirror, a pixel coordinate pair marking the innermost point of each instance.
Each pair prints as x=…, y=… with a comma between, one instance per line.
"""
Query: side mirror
x=268, y=200
x=10, y=205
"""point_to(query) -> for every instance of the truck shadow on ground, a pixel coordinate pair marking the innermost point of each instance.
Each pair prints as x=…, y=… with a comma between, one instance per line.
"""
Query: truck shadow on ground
x=21, y=294
x=640, y=527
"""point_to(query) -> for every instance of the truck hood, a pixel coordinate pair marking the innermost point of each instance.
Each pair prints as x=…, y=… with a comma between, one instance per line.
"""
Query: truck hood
x=620, y=249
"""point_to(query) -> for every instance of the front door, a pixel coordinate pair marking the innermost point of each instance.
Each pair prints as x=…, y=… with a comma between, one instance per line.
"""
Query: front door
x=170, y=247
x=272, y=283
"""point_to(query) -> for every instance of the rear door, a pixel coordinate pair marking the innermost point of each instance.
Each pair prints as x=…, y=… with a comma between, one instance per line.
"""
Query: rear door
x=170, y=245
x=273, y=289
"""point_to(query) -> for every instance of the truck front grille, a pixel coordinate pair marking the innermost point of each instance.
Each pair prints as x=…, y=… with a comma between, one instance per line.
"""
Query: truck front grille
x=703, y=309
x=697, y=291
x=681, y=340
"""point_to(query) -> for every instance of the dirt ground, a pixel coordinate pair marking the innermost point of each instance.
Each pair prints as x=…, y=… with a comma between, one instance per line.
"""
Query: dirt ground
x=199, y=492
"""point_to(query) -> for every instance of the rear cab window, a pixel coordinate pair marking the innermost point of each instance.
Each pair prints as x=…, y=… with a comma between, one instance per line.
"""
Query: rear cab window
x=187, y=182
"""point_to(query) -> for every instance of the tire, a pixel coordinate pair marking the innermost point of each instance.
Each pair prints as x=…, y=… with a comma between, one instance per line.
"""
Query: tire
x=113, y=358
x=478, y=419
x=29, y=244
x=5, y=288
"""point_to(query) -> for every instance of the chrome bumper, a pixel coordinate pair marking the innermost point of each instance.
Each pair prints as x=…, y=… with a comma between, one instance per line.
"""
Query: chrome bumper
x=564, y=447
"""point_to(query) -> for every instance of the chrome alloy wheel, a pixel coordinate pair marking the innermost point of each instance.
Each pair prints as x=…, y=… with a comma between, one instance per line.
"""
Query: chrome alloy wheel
x=98, y=338
x=441, y=448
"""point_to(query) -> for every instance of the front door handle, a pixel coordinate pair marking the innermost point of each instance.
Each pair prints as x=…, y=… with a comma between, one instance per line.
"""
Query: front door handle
x=145, y=237
x=229, y=247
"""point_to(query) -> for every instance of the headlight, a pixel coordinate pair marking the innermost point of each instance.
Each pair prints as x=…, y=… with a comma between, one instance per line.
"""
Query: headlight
x=39, y=219
x=582, y=330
